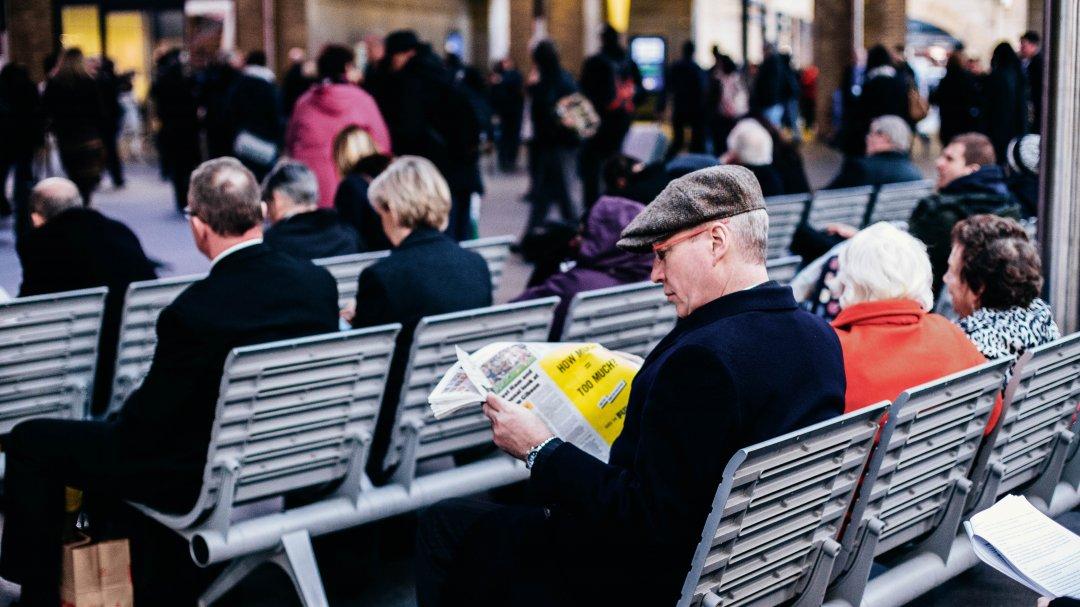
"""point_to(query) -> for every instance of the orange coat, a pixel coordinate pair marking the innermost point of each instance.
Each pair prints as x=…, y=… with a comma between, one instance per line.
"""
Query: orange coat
x=892, y=345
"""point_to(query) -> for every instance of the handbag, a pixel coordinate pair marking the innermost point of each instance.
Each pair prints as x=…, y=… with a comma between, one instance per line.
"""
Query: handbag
x=918, y=108
x=255, y=150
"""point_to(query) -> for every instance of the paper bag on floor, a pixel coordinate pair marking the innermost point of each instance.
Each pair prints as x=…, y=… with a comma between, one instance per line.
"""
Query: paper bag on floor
x=97, y=575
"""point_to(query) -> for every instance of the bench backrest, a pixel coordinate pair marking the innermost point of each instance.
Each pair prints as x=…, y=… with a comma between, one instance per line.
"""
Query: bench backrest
x=48, y=354
x=290, y=413
x=930, y=441
x=495, y=251
x=628, y=318
x=346, y=272
x=783, y=269
x=846, y=205
x=896, y=201
x=778, y=502
x=431, y=356
x=143, y=303
x=1043, y=403
x=785, y=213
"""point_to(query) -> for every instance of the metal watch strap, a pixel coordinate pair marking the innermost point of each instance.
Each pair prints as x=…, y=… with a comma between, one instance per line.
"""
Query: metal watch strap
x=530, y=457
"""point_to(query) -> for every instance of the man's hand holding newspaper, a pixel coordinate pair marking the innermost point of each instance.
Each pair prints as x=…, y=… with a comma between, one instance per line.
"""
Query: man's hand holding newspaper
x=531, y=391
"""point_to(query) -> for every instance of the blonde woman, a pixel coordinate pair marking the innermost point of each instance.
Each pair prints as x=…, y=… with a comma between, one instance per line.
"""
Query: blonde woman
x=426, y=273
x=358, y=161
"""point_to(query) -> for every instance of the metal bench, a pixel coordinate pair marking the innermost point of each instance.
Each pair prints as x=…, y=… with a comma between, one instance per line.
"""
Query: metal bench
x=1032, y=438
x=785, y=213
x=290, y=415
x=846, y=205
x=917, y=482
x=417, y=434
x=496, y=251
x=771, y=535
x=143, y=303
x=48, y=354
x=346, y=272
x=628, y=318
x=783, y=269
x=896, y=201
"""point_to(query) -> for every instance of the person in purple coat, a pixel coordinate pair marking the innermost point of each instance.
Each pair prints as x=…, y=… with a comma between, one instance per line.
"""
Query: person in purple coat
x=599, y=263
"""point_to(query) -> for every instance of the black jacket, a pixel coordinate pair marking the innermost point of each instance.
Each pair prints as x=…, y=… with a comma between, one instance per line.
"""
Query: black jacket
x=74, y=108
x=957, y=98
x=548, y=131
x=1005, y=99
x=353, y=206
x=769, y=178
x=1034, y=74
x=686, y=82
x=428, y=273
x=932, y=221
x=253, y=295
x=254, y=105
x=715, y=384
x=313, y=235
x=79, y=249
x=877, y=169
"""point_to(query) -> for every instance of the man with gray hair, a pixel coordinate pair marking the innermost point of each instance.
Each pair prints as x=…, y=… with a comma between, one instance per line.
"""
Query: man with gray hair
x=154, y=450
x=298, y=226
x=887, y=160
x=74, y=247
x=742, y=365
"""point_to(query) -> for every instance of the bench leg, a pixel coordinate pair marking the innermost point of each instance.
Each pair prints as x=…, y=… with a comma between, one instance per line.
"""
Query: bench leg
x=233, y=575
x=1042, y=490
x=814, y=592
x=941, y=539
x=295, y=557
x=850, y=585
x=298, y=560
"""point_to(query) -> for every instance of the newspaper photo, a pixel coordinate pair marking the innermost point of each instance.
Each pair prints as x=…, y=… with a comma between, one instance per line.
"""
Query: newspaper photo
x=579, y=389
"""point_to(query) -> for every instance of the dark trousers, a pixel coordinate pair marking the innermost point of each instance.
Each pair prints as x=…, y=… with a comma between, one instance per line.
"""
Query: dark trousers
x=721, y=128
x=679, y=123
x=43, y=457
x=552, y=168
x=509, y=144
x=20, y=199
x=112, y=159
x=476, y=553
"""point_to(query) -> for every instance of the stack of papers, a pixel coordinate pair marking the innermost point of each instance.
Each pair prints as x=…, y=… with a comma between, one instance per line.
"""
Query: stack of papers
x=1026, y=545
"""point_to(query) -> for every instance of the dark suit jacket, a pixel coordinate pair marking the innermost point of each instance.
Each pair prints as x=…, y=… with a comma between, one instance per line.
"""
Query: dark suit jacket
x=78, y=249
x=739, y=370
x=428, y=273
x=352, y=204
x=253, y=295
x=313, y=235
x=875, y=170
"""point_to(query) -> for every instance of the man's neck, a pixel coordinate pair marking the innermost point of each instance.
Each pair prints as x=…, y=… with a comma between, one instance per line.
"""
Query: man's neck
x=224, y=243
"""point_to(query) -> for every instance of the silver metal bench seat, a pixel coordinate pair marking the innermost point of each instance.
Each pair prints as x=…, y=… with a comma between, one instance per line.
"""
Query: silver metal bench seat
x=628, y=318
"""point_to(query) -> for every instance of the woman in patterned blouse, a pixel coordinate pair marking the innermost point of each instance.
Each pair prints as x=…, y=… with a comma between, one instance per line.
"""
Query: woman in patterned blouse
x=994, y=279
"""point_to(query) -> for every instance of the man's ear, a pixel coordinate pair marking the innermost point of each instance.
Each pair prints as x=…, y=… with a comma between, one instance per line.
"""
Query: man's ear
x=720, y=235
x=37, y=220
x=265, y=210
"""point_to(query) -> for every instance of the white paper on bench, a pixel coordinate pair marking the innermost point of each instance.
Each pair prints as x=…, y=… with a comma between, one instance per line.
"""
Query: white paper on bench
x=1028, y=546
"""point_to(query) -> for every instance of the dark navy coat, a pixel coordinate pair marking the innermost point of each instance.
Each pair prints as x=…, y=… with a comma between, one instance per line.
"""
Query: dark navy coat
x=741, y=369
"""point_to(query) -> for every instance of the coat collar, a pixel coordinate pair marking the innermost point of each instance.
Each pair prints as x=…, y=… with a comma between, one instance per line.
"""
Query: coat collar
x=764, y=297
x=883, y=312
x=236, y=255
x=421, y=236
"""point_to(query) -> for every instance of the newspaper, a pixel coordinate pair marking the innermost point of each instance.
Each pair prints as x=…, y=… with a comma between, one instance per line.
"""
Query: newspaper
x=579, y=389
x=1028, y=546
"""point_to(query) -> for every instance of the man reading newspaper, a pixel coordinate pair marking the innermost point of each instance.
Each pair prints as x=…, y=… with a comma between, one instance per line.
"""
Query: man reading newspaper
x=742, y=365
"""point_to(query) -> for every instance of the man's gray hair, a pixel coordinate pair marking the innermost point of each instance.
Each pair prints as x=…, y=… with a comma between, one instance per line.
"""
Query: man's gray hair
x=293, y=179
x=53, y=196
x=225, y=196
x=751, y=231
x=895, y=129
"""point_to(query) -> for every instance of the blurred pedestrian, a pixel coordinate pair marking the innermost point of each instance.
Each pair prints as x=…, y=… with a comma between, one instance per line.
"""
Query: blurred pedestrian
x=298, y=78
x=730, y=100
x=173, y=94
x=358, y=163
x=884, y=93
x=74, y=108
x=110, y=86
x=1031, y=58
x=253, y=109
x=1005, y=99
x=508, y=101
x=686, y=83
x=21, y=132
x=957, y=98
x=327, y=108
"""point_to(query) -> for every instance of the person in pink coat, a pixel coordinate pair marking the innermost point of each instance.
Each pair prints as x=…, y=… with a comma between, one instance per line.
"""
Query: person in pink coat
x=324, y=111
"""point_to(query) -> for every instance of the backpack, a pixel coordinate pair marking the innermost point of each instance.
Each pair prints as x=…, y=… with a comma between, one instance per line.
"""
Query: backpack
x=577, y=114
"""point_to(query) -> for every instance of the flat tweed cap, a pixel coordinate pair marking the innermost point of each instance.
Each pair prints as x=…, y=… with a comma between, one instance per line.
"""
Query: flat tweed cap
x=691, y=200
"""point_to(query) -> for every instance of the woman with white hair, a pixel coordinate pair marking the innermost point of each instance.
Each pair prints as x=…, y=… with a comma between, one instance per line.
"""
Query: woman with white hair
x=751, y=146
x=890, y=339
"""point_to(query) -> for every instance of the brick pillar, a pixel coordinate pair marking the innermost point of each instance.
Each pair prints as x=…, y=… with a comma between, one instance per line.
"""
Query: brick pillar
x=521, y=27
x=566, y=26
x=885, y=22
x=1036, y=15
x=478, y=25
x=291, y=29
x=249, y=25
x=30, y=34
x=833, y=33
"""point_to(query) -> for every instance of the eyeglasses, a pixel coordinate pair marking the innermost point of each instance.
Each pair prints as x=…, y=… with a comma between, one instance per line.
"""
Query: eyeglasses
x=661, y=248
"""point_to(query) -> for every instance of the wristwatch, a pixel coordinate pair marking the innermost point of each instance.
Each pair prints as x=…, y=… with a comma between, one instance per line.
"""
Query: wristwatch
x=530, y=457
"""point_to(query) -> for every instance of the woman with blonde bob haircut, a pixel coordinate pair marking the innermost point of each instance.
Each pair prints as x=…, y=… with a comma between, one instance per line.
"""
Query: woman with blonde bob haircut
x=890, y=339
x=409, y=194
